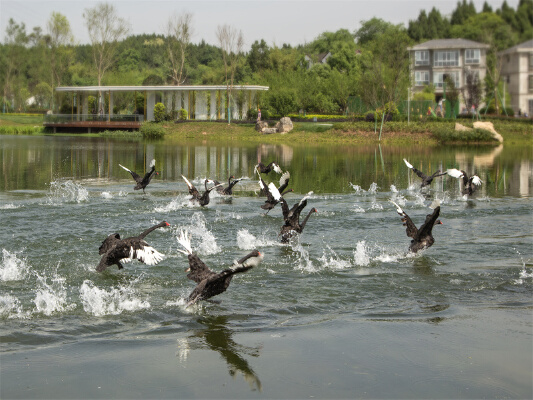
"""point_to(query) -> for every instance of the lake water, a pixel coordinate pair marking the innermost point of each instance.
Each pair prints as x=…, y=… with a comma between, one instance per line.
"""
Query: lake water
x=342, y=312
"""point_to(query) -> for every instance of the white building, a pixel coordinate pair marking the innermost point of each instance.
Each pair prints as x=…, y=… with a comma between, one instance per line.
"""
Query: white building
x=517, y=73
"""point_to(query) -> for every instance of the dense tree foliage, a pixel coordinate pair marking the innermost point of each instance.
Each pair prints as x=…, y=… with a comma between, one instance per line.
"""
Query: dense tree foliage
x=370, y=62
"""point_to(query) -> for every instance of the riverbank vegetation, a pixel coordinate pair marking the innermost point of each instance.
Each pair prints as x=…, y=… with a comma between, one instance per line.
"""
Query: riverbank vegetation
x=336, y=73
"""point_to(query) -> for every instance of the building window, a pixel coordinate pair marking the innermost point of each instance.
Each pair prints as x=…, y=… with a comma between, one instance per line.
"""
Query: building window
x=422, y=57
x=421, y=78
x=438, y=78
x=472, y=56
x=445, y=58
x=530, y=61
x=530, y=83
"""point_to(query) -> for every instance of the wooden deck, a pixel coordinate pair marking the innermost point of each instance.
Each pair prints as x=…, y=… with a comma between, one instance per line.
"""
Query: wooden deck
x=93, y=126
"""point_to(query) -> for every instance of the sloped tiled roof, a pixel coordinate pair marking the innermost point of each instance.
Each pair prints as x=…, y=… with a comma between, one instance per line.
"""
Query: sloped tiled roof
x=522, y=47
x=449, y=44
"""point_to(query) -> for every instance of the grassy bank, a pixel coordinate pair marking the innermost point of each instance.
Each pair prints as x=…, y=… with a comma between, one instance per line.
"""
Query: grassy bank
x=420, y=132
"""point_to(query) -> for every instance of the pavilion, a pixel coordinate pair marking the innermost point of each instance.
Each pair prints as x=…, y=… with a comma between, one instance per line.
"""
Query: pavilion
x=202, y=102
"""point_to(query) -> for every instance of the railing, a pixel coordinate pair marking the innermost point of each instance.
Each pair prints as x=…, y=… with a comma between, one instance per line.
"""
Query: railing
x=69, y=118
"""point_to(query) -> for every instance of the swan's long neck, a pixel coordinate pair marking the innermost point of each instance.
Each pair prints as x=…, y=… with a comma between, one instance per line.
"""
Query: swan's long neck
x=302, y=225
x=146, y=232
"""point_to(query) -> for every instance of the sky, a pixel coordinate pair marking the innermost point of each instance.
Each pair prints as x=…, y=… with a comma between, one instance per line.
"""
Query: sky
x=275, y=21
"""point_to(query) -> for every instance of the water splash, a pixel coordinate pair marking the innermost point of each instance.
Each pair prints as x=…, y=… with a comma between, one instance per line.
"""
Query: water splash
x=199, y=230
x=224, y=216
x=397, y=197
x=331, y=260
x=10, y=307
x=51, y=295
x=247, y=241
x=360, y=254
x=373, y=189
x=524, y=274
x=13, y=267
x=101, y=302
x=106, y=195
x=67, y=191
x=9, y=207
x=178, y=203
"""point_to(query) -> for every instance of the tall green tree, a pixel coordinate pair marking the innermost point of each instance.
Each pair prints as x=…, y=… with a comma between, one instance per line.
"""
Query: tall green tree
x=15, y=40
x=60, y=41
x=259, y=56
x=462, y=12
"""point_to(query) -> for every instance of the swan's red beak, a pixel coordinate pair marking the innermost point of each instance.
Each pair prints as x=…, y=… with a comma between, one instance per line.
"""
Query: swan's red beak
x=167, y=223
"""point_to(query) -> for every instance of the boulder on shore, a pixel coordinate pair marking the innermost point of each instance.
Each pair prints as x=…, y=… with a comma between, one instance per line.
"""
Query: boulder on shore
x=488, y=126
x=284, y=125
x=260, y=125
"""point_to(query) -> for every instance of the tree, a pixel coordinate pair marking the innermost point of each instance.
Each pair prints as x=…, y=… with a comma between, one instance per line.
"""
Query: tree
x=370, y=30
x=15, y=40
x=472, y=90
x=259, y=56
x=384, y=74
x=59, y=41
x=179, y=32
x=106, y=29
x=463, y=11
x=231, y=42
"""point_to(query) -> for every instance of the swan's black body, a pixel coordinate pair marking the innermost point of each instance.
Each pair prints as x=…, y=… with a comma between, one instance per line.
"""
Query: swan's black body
x=115, y=250
x=426, y=179
x=203, y=199
x=265, y=169
x=228, y=190
x=422, y=237
x=144, y=181
x=211, y=283
x=291, y=218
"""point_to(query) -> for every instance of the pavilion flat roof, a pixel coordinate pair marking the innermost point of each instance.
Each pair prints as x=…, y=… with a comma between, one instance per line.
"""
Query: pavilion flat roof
x=155, y=88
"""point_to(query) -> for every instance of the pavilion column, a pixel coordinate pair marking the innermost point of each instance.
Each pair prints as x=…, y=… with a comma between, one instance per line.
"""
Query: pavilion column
x=110, y=105
x=213, y=111
x=186, y=103
x=85, y=104
x=150, y=104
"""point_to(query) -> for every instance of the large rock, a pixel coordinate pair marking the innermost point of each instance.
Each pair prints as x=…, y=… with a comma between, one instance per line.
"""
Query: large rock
x=260, y=125
x=459, y=127
x=267, y=131
x=488, y=126
x=284, y=125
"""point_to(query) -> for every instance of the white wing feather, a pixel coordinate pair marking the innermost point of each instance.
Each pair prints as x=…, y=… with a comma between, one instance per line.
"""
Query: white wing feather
x=125, y=168
x=277, y=169
x=398, y=208
x=455, y=173
x=274, y=191
x=284, y=178
x=476, y=180
x=185, y=240
x=306, y=197
x=189, y=184
x=152, y=163
x=407, y=163
x=148, y=255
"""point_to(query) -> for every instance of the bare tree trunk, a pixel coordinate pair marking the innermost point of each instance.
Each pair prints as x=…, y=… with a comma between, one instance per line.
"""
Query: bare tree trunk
x=179, y=32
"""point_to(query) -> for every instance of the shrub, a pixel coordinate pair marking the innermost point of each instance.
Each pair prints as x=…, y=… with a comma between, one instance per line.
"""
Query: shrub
x=183, y=114
x=159, y=112
x=150, y=130
x=449, y=134
x=251, y=114
x=283, y=101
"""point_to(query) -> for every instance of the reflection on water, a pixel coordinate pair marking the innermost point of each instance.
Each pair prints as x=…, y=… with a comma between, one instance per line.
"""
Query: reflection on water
x=33, y=162
x=218, y=337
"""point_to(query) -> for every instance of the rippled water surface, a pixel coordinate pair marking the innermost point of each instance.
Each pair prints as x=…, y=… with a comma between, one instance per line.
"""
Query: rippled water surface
x=343, y=311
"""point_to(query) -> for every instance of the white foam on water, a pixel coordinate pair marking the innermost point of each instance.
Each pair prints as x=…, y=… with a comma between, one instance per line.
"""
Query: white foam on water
x=375, y=205
x=221, y=216
x=10, y=307
x=373, y=189
x=106, y=195
x=357, y=188
x=13, y=267
x=358, y=209
x=112, y=301
x=333, y=261
x=178, y=203
x=360, y=254
x=67, y=191
x=393, y=189
x=51, y=295
x=397, y=197
x=247, y=241
x=199, y=230
x=304, y=261
x=9, y=206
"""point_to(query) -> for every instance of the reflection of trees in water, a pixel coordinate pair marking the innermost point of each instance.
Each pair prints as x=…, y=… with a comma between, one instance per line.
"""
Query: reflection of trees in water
x=217, y=336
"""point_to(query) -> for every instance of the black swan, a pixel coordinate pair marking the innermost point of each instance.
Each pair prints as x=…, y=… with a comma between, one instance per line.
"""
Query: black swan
x=469, y=184
x=211, y=283
x=272, y=193
x=426, y=180
x=291, y=218
x=115, y=250
x=143, y=182
x=421, y=237
x=203, y=199
x=228, y=190
x=265, y=169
